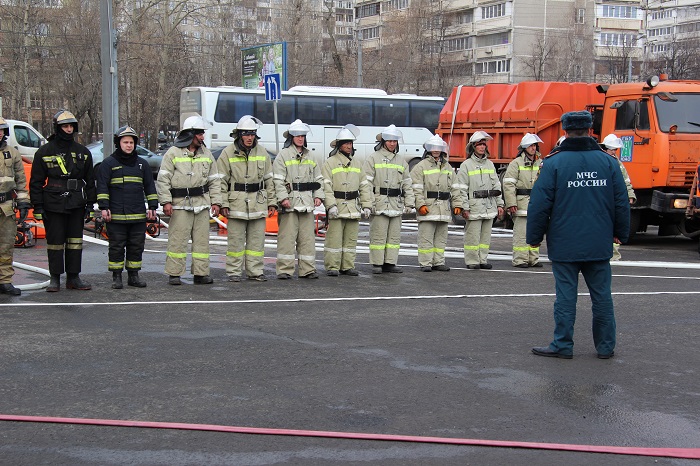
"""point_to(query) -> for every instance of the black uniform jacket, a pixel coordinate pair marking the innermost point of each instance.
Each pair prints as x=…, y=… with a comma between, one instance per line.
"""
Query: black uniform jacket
x=62, y=177
x=124, y=189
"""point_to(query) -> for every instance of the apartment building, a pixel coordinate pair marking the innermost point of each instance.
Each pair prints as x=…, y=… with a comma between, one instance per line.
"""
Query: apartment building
x=510, y=41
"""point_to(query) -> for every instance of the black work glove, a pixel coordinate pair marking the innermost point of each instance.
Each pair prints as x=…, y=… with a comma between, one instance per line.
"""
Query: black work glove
x=23, y=212
x=38, y=212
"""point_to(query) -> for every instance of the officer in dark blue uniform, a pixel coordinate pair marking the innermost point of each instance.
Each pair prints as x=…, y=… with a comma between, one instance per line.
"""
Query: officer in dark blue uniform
x=580, y=202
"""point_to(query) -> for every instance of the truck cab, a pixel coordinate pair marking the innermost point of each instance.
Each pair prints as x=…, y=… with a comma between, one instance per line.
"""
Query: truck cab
x=659, y=124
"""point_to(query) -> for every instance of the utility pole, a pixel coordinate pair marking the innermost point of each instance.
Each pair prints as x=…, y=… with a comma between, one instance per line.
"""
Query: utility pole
x=110, y=83
x=359, y=58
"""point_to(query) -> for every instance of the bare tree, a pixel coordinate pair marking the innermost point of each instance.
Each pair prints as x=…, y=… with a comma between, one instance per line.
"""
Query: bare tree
x=541, y=59
x=679, y=60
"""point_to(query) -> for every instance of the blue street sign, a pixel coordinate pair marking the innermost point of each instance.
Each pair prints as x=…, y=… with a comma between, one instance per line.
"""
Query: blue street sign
x=272, y=86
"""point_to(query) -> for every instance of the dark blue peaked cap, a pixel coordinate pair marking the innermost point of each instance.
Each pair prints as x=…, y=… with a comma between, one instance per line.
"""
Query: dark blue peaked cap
x=576, y=120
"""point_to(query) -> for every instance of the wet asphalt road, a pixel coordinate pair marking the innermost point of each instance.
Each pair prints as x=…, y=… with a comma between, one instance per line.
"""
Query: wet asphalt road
x=453, y=362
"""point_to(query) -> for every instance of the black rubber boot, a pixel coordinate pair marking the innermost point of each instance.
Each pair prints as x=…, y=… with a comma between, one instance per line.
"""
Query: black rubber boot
x=117, y=280
x=54, y=283
x=9, y=288
x=73, y=282
x=134, y=279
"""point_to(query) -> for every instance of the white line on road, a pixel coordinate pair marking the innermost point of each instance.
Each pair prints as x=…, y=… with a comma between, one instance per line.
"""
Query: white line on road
x=352, y=298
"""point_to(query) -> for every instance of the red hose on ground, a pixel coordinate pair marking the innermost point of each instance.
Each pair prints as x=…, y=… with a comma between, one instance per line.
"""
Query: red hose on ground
x=687, y=453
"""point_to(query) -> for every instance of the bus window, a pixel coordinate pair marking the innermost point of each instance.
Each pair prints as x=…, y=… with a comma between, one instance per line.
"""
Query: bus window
x=266, y=110
x=231, y=107
x=355, y=111
x=387, y=112
x=425, y=114
x=314, y=110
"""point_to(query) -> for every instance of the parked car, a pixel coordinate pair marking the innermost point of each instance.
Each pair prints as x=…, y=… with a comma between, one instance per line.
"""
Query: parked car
x=154, y=160
x=23, y=137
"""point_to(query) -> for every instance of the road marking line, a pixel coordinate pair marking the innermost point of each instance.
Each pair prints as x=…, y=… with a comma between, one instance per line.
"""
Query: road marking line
x=351, y=298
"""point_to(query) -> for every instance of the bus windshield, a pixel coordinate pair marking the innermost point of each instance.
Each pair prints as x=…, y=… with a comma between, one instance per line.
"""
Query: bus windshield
x=682, y=112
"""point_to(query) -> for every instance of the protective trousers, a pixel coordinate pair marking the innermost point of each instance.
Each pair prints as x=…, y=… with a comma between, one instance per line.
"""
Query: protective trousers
x=432, y=239
x=185, y=225
x=296, y=234
x=131, y=236
x=384, y=240
x=598, y=277
x=8, y=231
x=340, y=245
x=522, y=252
x=477, y=241
x=64, y=240
x=246, y=243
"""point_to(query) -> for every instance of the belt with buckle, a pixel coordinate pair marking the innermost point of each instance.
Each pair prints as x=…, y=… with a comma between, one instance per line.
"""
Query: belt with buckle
x=7, y=196
x=347, y=195
x=247, y=187
x=441, y=195
x=391, y=192
x=189, y=192
x=484, y=193
x=305, y=186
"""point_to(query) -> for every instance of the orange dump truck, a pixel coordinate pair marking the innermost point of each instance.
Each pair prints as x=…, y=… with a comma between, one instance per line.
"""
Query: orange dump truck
x=658, y=121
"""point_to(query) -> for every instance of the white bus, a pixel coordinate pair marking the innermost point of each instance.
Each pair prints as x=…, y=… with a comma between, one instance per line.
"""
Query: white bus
x=324, y=109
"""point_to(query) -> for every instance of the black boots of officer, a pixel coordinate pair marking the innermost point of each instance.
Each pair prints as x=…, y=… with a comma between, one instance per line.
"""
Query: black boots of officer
x=134, y=279
x=54, y=284
x=117, y=280
x=73, y=282
x=9, y=288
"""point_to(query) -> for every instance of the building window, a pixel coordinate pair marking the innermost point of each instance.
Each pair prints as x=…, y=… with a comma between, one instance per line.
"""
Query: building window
x=459, y=43
x=493, y=39
x=661, y=14
x=666, y=31
x=580, y=15
x=493, y=67
x=465, y=17
x=363, y=11
x=618, y=11
x=398, y=4
x=615, y=39
x=493, y=11
x=369, y=33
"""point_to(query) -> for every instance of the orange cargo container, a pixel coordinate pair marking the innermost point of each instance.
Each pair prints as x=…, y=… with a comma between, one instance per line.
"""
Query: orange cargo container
x=657, y=121
x=508, y=111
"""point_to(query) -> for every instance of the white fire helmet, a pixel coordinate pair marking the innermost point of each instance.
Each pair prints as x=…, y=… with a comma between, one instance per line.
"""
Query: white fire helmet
x=348, y=132
x=297, y=128
x=480, y=136
x=612, y=142
x=194, y=122
x=530, y=139
x=246, y=123
x=435, y=143
x=3, y=124
x=390, y=133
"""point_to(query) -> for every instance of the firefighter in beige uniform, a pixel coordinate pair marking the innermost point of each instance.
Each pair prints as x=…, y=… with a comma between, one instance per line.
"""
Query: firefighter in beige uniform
x=248, y=198
x=348, y=196
x=299, y=187
x=390, y=179
x=13, y=184
x=434, y=190
x=611, y=144
x=481, y=190
x=188, y=188
x=517, y=185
